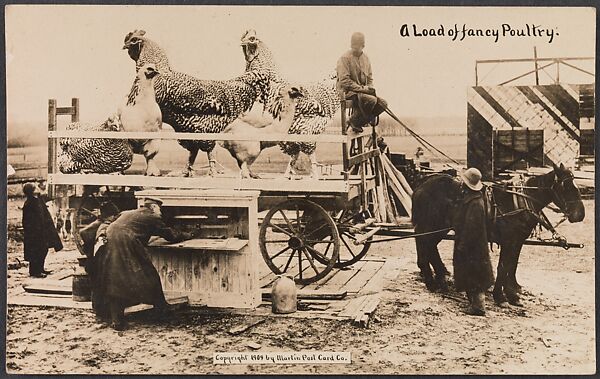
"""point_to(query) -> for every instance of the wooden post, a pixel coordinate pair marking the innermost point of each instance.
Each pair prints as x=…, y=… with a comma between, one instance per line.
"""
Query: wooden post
x=557, y=71
x=345, y=143
x=476, y=76
x=537, y=76
x=52, y=145
x=75, y=105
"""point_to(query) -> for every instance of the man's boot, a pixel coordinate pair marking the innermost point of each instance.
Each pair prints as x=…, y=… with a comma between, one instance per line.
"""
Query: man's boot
x=477, y=307
x=117, y=316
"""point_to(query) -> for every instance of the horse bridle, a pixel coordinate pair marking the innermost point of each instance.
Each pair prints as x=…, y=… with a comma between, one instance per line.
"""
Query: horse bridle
x=564, y=203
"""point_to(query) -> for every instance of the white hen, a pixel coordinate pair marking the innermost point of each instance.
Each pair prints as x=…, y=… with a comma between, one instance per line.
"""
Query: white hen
x=144, y=115
x=246, y=152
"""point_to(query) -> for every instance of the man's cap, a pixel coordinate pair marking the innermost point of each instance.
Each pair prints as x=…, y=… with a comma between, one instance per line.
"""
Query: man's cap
x=153, y=200
x=357, y=39
x=472, y=178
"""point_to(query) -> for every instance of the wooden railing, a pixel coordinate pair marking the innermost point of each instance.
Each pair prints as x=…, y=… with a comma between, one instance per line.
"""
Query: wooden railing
x=357, y=150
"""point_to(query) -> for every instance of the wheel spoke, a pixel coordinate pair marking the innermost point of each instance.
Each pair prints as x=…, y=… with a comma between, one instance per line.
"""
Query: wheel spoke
x=287, y=221
x=314, y=242
x=350, y=236
x=348, y=247
x=280, y=252
x=280, y=229
x=310, y=260
x=300, y=264
x=324, y=258
x=298, y=218
x=287, y=265
x=314, y=231
x=277, y=241
x=88, y=211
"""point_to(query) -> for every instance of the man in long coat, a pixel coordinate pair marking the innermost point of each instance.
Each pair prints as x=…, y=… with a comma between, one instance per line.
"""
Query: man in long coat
x=39, y=232
x=125, y=274
x=472, y=265
x=355, y=82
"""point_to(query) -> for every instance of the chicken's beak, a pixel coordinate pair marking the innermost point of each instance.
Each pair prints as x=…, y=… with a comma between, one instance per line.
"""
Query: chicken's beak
x=125, y=47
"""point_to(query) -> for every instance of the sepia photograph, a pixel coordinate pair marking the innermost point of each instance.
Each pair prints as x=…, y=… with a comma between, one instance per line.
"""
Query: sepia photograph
x=322, y=190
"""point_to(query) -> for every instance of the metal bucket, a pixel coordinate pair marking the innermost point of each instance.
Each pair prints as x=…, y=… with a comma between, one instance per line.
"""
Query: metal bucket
x=82, y=287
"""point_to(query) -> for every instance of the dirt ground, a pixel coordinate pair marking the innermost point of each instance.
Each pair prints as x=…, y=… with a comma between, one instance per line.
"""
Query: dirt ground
x=418, y=332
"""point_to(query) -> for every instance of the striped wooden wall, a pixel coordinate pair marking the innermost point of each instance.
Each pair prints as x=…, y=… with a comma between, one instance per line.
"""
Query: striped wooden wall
x=556, y=109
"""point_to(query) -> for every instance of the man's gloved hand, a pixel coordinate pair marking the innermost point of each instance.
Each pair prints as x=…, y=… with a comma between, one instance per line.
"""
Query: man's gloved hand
x=369, y=90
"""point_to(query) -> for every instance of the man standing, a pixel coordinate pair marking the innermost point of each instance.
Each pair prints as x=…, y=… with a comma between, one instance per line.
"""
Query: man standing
x=124, y=274
x=39, y=233
x=355, y=82
x=472, y=266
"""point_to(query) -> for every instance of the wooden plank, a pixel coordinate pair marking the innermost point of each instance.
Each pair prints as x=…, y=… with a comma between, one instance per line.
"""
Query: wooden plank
x=65, y=111
x=188, y=272
x=29, y=299
x=276, y=137
x=363, y=157
x=366, y=273
x=340, y=279
x=239, y=329
x=311, y=294
x=329, y=185
x=353, y=305
x=229, y=244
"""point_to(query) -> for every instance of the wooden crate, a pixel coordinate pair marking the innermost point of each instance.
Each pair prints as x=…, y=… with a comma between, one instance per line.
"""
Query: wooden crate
x=220, y=267
x=517, y=149
x=561, y=111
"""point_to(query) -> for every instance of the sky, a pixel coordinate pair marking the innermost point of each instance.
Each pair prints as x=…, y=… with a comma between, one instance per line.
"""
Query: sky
x=62, y=52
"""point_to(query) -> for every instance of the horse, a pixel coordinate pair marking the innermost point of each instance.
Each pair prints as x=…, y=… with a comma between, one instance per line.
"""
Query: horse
x=436, y=201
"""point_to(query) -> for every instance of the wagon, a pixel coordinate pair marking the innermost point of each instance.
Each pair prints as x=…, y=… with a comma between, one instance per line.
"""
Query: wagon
x=307, y=227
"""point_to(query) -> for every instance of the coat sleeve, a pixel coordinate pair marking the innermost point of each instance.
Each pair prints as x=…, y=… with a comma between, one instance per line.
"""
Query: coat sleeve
x=343, y=74
x=170, y=234
x=369, y=74
x=88, y=236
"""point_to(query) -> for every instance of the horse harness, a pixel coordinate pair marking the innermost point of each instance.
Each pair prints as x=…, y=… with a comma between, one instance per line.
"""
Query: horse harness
x=523, y=203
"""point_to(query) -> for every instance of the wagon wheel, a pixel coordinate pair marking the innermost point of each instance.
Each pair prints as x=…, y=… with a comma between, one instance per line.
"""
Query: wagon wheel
x=349, y=252
x=288, y=243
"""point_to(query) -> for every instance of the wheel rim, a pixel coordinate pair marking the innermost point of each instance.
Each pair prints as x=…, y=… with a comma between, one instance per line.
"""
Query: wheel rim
x=299, y=238
x=349, y=252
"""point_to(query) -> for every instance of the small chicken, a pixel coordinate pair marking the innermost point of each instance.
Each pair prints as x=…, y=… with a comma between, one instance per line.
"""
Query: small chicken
x=246, y=152
x=143, y=114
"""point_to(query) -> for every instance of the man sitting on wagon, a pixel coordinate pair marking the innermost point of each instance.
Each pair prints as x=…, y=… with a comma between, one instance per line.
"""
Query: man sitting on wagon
x=355, y=82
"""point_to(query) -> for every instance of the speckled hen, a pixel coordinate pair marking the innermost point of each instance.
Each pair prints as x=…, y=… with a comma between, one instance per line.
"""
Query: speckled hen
x=192, y=105
x=94, y=155
x=314, y=111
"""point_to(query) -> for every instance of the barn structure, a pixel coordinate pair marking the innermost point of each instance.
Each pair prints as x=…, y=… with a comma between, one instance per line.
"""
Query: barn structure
x=512, y=127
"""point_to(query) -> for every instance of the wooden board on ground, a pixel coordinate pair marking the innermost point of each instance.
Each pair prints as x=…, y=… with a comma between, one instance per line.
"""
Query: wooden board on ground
x=331, y=301
x=360, y=280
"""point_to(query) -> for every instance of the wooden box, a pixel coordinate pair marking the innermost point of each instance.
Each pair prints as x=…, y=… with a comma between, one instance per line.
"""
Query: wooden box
x=517, y=150
x=219, y=268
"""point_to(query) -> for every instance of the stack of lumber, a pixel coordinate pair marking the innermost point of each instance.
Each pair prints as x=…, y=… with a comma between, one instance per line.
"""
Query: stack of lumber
x=397, y=183
x=361, y=309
